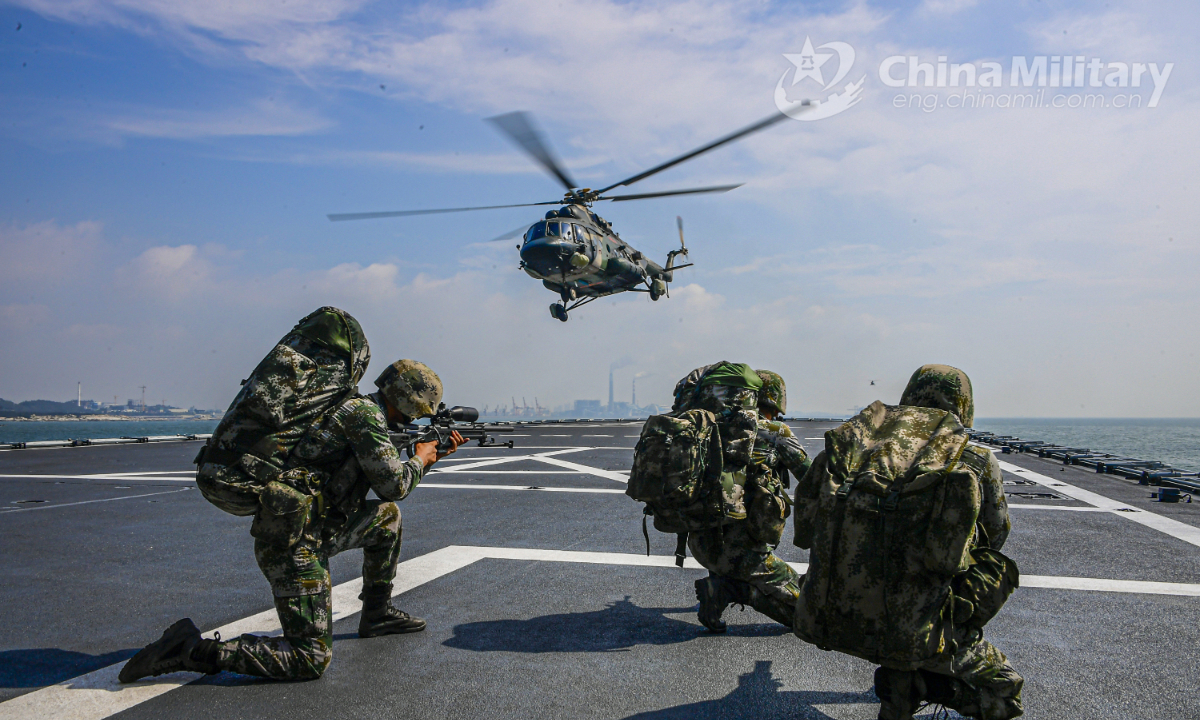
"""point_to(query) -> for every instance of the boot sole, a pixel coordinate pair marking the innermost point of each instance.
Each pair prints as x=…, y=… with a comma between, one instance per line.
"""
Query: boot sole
x=385, y=631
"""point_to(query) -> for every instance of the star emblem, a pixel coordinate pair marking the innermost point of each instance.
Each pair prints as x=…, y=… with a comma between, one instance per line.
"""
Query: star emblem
x=808, y=63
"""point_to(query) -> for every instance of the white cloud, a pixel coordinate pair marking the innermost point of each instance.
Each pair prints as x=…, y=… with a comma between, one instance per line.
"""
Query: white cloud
x=260, y=118
x=47, y=253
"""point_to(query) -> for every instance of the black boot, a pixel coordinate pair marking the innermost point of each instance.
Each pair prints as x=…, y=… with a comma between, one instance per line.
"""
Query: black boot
x=179, y=648
x=713, y=597
x=380, y=618
x=900, y=693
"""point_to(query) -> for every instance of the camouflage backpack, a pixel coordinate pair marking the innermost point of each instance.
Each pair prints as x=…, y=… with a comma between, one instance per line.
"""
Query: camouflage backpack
x=890, y=513
x=679, y=469
x=313, y=369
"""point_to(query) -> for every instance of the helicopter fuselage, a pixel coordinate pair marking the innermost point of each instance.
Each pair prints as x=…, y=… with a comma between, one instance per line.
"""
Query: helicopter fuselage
x=575, y=251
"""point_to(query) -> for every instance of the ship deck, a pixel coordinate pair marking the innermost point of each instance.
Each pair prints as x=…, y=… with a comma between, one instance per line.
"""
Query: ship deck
x=530, y=567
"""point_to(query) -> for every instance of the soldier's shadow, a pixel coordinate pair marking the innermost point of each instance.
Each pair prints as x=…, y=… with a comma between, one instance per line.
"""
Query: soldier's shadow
x=620, y=626
x=38, y=667
x=758, y=696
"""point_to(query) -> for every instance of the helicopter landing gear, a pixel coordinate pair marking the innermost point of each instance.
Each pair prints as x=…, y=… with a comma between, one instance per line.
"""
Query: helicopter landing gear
x=658, y=288
x=567, y=294
x=558, y=311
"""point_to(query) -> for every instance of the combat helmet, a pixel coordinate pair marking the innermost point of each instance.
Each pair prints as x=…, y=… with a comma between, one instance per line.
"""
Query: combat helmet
x=411, y=387
x=943, y=388
x=773, y=394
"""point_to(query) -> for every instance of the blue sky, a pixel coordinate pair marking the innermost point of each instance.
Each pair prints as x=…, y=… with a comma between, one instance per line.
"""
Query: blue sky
x=170, y=165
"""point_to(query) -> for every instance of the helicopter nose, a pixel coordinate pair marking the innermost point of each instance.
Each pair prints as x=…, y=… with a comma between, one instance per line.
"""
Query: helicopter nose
x=546, y=256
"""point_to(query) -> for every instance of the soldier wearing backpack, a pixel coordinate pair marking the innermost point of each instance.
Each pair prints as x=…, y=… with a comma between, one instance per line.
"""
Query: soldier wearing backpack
x=904, y=521
x=743, y=569
x=306, y=483
x=694, y=469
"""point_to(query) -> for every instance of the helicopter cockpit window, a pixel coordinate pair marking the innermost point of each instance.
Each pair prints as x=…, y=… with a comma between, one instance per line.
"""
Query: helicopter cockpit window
x=536, y=232
x=552, y=229
x=568, y=231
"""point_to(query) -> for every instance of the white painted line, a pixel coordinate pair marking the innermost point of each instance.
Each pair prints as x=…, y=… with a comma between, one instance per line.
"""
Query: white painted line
x=6, y=511
x=98, y=694
x=1140, y=587
x=465, y=486
x=545, y=435
x=1174, y=528
x=512, y=459
x=155, y=472
x=609, y=474
x=469, y=471
x=597, y=435
x=122, y=478
x=1076, y=508
x=816, y=438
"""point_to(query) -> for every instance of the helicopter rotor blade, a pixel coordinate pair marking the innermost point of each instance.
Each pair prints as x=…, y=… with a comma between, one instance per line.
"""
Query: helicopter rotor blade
x=679, y=223
x=749, y=129
x=511, y=233
x=338, y=217
x=668, y=193
x=520, y=128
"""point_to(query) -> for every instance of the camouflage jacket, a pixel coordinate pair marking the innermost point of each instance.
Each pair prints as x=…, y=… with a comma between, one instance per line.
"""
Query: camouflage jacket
x=351, y=454
x=776, y=453
x=891, y=512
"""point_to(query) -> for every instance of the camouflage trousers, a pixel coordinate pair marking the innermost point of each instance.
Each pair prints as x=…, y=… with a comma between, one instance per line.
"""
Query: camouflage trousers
x=299, y=578
x=760, y=578
x=977, y=682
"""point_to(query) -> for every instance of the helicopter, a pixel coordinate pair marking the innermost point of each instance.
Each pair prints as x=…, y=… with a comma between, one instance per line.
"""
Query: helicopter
x=572, y=250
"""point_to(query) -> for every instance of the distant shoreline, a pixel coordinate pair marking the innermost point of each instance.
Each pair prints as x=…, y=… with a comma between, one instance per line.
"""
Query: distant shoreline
x=99, y=416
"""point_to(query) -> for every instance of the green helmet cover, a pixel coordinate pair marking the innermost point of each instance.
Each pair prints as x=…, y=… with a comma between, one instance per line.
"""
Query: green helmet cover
x=943, y=388
x=773, y=394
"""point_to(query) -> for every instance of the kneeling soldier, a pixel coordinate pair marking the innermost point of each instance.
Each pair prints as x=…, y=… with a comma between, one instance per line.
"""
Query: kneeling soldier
x=743, y=569
x=334, y=467
x=905, y=521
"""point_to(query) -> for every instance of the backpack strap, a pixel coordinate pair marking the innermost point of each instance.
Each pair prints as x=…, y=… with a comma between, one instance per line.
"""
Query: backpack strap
x=680, y=548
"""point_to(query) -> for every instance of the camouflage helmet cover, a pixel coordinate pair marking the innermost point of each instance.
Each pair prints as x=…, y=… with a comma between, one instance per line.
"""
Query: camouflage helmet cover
x=773, y=394
x=411, y=387
x=943, y=388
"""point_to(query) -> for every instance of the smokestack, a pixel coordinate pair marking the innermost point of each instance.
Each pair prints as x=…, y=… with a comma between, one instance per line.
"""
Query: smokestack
x=79, y=394
x=610, y=390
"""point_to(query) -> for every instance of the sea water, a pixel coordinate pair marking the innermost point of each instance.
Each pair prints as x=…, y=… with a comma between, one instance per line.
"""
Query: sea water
x=30, y=430
x=1174, y=441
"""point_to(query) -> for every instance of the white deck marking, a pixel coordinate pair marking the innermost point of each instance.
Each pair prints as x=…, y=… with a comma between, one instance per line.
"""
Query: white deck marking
x=597, y=435
x=122, y=478
x=1076, y=508
x=98, y=694
x=469, y=471
x=610, y=474
x=1174, y=528
x=465, y=486
x=8, y=511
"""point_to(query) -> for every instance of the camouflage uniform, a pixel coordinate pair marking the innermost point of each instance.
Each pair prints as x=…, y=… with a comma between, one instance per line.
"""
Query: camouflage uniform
x=738, y=553
x=349, y=456
x=909, y=590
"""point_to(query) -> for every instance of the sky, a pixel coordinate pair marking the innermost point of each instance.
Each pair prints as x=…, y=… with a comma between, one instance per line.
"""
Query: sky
x=169, y=165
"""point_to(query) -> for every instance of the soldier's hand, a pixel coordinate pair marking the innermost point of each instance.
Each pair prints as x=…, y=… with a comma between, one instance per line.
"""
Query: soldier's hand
x=427, y=451
x=455, y=440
